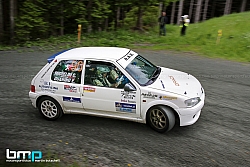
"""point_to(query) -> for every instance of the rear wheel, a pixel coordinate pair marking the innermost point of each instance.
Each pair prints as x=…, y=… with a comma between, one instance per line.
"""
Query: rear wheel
x=161, y=118
x=49, y=108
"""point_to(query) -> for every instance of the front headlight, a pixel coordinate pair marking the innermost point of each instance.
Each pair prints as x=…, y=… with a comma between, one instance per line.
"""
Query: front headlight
x=192, y=102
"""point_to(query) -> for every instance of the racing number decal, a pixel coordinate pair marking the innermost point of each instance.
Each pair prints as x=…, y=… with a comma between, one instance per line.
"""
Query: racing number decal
x=77, y=65
x=128, y=56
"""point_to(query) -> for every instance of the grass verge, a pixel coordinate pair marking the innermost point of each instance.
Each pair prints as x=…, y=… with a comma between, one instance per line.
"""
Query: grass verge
x=201, y=38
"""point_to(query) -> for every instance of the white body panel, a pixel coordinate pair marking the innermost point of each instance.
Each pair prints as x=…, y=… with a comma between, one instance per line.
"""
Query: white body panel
x=170, y=89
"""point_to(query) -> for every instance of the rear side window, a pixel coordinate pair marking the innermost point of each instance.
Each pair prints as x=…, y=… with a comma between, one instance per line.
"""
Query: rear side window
x=69, y=71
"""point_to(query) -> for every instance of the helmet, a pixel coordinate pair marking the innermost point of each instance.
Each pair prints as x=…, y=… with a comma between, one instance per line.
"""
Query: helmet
x=185, y=16
x=102, y=69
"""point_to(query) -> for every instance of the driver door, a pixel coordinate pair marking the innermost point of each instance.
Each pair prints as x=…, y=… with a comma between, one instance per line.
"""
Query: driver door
x=111, y=99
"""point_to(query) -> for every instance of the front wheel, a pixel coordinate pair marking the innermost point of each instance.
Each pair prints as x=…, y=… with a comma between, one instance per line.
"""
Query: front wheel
x=161, y=118
x=49, y=108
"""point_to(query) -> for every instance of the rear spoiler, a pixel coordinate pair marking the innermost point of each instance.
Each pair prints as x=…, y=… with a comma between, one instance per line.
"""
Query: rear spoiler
x=51, y=58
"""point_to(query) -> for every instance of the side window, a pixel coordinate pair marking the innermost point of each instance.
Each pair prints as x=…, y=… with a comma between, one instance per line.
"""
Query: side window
x=104, y=74
x=69, y=71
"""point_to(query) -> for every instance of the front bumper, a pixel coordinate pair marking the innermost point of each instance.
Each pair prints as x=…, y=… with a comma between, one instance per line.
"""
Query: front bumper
x=189, y=116
x=33, y=97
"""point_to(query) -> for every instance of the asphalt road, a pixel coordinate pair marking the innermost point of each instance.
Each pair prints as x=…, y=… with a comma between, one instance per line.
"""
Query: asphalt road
x=221, y=137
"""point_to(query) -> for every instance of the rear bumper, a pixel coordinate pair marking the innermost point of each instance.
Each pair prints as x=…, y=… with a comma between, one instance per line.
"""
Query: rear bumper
x=189, y=116
x=33, y=97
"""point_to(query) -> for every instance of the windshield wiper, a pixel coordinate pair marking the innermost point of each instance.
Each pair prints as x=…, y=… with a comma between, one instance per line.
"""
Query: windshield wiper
x=156, y=73
x=154, y=76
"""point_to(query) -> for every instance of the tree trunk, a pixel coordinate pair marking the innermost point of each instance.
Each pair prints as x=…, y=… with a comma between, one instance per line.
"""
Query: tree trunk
x=173, y=13
x=243, y=5
x=205, y=10
x=62, y=21
x=139, y=19
x=12, y=21
x=180, y=11
x=89, y=6
x=106, y=24
x=122, y=15
x=227, y=9
x=15, y=8
x=213, y=8
x=118, y=12
x=160, y=9
x=1, y=22
x=190, y=9
x=198, y=11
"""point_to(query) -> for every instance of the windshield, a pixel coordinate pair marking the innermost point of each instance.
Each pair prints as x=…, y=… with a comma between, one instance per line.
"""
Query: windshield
x=143, y=71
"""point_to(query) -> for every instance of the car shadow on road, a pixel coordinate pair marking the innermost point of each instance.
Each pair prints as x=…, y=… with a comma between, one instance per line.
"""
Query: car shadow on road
x=77, y=123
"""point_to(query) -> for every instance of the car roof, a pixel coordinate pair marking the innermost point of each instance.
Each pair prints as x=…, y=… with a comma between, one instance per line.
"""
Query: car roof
x=108, y=53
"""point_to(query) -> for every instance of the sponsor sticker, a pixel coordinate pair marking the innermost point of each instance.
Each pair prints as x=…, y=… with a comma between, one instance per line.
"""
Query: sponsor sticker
x=64, y=76
x=70, y=88
x=125, y=107
x=149, y=95
x=46, y=87
x=128, y=101
x=72, y=99
x=46, y=83
x=88, y=89
x=174, y=81
x=167, y=98
x=128, y=97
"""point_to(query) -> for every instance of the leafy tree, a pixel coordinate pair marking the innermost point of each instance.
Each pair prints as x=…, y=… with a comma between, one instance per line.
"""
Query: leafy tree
x=31, y=24
x=24, y=20
x=143, y=5
x=55, y=16
x=150, y=16
x=99, y=12
x=119, y=9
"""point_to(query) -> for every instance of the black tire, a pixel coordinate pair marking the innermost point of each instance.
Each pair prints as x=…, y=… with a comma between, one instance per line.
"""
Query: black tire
x=49, y=108
x=161, y=118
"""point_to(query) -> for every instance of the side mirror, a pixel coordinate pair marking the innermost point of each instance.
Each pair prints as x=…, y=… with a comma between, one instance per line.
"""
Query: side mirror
x=129, y=87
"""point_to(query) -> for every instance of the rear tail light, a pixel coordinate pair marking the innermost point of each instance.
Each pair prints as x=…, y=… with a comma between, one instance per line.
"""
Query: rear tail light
x=32, y=88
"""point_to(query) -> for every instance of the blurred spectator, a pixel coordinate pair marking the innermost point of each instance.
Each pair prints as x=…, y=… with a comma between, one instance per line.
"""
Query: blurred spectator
x=184, y=23
x=162, y=22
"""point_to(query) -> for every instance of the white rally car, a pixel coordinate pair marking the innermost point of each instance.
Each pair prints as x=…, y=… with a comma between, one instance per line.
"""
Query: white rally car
x=116, y=83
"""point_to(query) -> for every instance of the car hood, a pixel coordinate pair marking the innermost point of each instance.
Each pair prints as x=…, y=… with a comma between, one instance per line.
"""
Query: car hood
x=177, y=82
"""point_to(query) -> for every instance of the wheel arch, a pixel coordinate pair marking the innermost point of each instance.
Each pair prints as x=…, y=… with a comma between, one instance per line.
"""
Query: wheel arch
x=176, y=114
x=42, y=96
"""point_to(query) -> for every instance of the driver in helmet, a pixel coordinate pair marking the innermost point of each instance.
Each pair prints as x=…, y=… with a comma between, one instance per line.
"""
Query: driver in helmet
x=102, y=78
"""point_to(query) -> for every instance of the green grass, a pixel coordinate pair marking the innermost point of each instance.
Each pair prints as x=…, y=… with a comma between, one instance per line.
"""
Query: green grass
x=200, y=38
